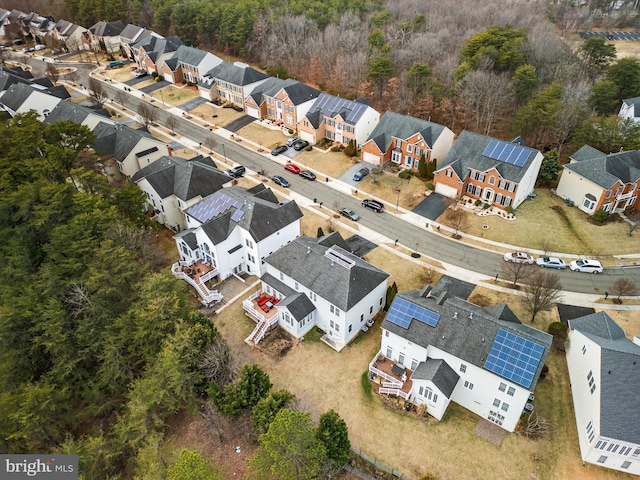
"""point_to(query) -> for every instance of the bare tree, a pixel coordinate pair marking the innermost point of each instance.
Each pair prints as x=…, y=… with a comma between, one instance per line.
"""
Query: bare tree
x=218, y=363
x=458, y=220
x=147, y=114
x=52, y=72
x=622, y=287
x=97, y=93
x=209, y=142
x=515, y=271
x=171, y=123
x=536, y=427
x=541, y=293
x=633, y=226
x=485, y=95
x=72, y=76
x=121, y=98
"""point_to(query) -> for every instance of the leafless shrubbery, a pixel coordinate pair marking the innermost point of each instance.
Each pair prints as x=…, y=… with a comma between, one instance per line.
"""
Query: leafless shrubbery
x=218, y=363
x=536, y=427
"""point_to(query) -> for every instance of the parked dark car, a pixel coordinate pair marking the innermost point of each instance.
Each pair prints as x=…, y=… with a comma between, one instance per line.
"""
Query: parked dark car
x=278, y=180
x=360, y=174
x=141, y=74
x=279, y=149
x=373, y=205
x=236, y=172
x=300, y=145
x=307, y=174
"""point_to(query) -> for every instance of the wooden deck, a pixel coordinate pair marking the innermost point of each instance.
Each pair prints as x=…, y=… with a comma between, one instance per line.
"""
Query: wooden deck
x=385, y=366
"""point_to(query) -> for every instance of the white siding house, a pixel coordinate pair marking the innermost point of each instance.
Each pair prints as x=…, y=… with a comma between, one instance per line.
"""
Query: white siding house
x=604, y=368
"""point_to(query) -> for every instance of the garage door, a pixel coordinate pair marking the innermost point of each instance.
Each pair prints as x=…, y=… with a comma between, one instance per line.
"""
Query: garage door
x=168, y=77
x=309, y=137
x=371, y=158
x=253, y=112
x=205, y=93
x=446, y=190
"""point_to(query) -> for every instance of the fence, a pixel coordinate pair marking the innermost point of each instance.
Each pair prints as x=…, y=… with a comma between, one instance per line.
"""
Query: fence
x=378, y=464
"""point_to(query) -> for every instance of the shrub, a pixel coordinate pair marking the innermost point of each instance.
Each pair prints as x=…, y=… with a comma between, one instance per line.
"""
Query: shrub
x=309, y=148
x=335, y=149
x=376, y=170
x=406, y=174
x=290, y=132
x=154, y=74
x=351, y=149
x=485, y=206
x=600, y=216
x=478, y=202
x=430, y=186
x=559, y=331
x=508, y=209
x=157, y=79
x=184, y=82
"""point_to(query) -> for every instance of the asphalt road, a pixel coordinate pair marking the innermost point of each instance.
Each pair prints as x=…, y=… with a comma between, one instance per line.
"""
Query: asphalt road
x=433, y=245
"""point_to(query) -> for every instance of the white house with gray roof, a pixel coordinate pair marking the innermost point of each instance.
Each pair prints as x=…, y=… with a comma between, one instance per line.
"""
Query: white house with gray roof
x=436, y=350
x=596, y=181
x=90, y=117
x=338, y=119
x=403, y=139
x=317, y=282
x=173, y=184
x=604, y=368
x=484, y=168
x=630, y=109
x=230, y=82
x=22, y=97
x=234, y=229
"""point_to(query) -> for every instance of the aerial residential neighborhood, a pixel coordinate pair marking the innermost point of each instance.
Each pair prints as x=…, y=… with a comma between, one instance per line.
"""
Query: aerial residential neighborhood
x=203, y=245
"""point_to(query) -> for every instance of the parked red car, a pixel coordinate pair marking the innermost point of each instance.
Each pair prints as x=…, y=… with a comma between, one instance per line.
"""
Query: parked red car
x=293, y=168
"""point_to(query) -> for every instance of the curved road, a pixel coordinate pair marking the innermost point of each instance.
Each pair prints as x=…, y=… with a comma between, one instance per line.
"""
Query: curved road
x=433, y=245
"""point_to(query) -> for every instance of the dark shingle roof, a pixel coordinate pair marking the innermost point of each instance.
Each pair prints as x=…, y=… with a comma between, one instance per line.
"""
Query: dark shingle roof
x=158, y=45
x=130, y=32
x=453, y=287
x=620, y=371
x=466, y=153
x=73, y=112
x=186, y=179
x=468, y=337
x=306, y=261
x=16, y=95
x=190, y=55
x=403, y=126
x=297, y=92
x=235, y=74
x=107, y=29
x=118, y=140
x=331, y=106
x=439, y=372
x=607, y=170
x=635, y=101
x=298, y=304
x=586, y=152
x=189, y=238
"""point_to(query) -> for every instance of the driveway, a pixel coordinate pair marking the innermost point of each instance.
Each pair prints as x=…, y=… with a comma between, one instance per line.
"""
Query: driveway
x=154, y=86
x=347, y=177
x=360, y=246
x=432, y=207
x=193, y=103
x=135, y=81
x=241, y=122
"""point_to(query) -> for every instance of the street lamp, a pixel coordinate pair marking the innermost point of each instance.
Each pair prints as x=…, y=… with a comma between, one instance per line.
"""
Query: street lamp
x=398, y=200
x=162, y=97
x=224, y=152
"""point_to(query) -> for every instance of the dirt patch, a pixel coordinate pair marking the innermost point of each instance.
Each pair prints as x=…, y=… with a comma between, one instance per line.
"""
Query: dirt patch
x=276, y=343
x=490, y=432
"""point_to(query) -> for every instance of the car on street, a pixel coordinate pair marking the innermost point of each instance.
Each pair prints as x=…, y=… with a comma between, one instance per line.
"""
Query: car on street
x=518, y=257
x=300, y=145
x=586, y=265
x=292, y=167
x=39, y=47
x=279, y=149
x=309, y=175
x=115, y=64
x=291, y=141
x=141, y=74
x=373, y=205
x=236, y=172
x=360, y=174
x=278, y=180
x=551, y=262
x=350, y=214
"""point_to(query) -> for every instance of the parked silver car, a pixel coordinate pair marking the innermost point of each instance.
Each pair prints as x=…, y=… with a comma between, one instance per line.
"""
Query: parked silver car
x=586, y=265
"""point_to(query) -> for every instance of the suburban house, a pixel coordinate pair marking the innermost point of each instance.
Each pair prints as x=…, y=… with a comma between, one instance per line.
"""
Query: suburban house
x=87, y=116
x=317, y=282
x=604, y=368
x=39, y=26
x=69, y=35
x=284, y=102
x=630, y=109
x=131, y=149
x=403, y=139
x=22, y=97
x=173, y=184
x=104, y=36
x=493, y=171
x=133, y=33
x=234, y=229
x=596, y=181
x=230, y=83
x=437, y=349
x=188, y=64
x=339, y=120
x=151, y=52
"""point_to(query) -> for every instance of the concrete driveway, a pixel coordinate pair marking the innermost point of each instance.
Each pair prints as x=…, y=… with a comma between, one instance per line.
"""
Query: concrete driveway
x=154, y=86
x=135, y=81
x=347, y=177
x=239, y=123
x=432, y=207
x=193, y=103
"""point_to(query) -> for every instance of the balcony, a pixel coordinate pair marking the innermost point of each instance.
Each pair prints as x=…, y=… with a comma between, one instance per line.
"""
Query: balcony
x=264, y=320
x=390, y=378
x=196, y=274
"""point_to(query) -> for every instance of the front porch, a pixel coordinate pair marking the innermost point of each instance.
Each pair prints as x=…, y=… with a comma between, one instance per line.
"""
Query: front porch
x=390, y=378
x=261, y=308
x=197, y=274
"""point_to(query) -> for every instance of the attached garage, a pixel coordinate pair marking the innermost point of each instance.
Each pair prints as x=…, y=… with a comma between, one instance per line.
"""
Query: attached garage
x=446, y=190
x=252, y=111
x=205, y=93
x=371, y=158
x=168, y=77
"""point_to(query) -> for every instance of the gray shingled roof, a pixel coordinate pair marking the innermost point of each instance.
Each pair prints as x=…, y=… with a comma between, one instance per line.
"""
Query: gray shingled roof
x=130, y=31
x=586, y=152
x=331, y=106
x=118, y=140
x=16, y=95
x=620, y=369
x=469, y=339
x=403, y=126
x=298, y=304
x=158, y=45
x=107, y=29
x=607, y=170
x=186, y=179
x=262, y=214
x=73, y=112
x=190, y=55
x=439, y=372
x=189, y=237
x=235, y=74
x=467, y=152
x=270, y=85
x=305, y=261
x=282, y=287
x=297, y=92
x=334, y=238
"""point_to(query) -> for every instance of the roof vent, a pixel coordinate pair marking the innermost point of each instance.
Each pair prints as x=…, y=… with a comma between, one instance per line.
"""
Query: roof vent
x=441, y=298
x=308, y=250
x=455, y=315
x=424, y=293
x=482, y=339
x=471, y=316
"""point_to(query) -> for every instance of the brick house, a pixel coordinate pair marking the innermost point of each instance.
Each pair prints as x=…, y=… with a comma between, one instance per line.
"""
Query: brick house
x=189, y=64
x=230, y=82
x=150, y=52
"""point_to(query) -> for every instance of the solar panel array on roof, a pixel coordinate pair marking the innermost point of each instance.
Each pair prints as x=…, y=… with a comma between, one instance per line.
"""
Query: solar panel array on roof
x=514, y=358
x=506, y=152
x=213, y=206
x=237, y=215
x=402, y=312
x=330, y=105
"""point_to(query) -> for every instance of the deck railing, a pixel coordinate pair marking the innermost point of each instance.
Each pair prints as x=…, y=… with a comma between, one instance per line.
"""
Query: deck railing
x=372, y=369
x=207, y=297
x=394, y=391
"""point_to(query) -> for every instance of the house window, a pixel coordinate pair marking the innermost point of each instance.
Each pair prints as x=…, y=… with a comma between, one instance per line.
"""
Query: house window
x=371, y=309
x=350, y=328
x=468, y=385
x=511, y=391
x=592, y=382
x=410, y=148
x=449, y=173
x=281, y=276
x=389, y=352
x=492, y=180
x=502, y=387
x=249, y=243
x=421, y=390
x=401, y=358
x=463, y=368
x=589, y=202
x=601, y=445
x=505, y=406
x=416, y=163
x=362, y=318
x=380, y=301
x=625, y=465
x=584, y=349
x=602, y=459
x=331, y=308
x=496, y=402
x=414, y=364
x=396, y=156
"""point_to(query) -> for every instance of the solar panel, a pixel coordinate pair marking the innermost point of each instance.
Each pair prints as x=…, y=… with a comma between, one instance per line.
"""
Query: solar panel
x=403, y=311
x=213, y=206
x=506, y=152
x=514, y=358
x=237, y=215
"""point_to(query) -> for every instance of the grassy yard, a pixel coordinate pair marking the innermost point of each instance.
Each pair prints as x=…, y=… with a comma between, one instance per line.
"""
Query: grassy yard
x=218, y=116
x=262, y=135
x=332, y=164
x=174, y=96
x=124, y=74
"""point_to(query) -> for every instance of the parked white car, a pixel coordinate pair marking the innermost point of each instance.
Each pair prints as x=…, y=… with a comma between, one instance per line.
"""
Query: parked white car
x=551, y=262
x=40, y=47
x=518, y=257
x=586, y=265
